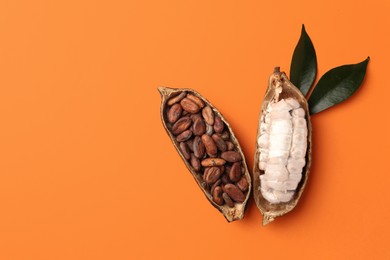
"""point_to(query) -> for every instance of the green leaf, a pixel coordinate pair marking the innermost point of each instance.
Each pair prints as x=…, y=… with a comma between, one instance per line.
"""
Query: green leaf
x=303, y=67
x=337, y=85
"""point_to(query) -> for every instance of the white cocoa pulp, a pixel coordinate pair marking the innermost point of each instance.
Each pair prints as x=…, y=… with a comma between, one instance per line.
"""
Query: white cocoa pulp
x=283, y=145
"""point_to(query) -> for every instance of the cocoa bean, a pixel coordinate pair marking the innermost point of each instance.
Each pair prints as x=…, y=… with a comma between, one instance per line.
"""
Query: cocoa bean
x=212, y=162
x=213, y=174
x=225, y=179
x=218, y=124
x=190, y=144
x=229, y=146
x=184, y=113
x=184, y=150
x=235, y=172
x=227, y=200
x=243, y=184
x=198, y=147
x=181, y=125
x=217, y=196
x=195, y=116
x=189, y=106
x=197, y=100
x=225, y=135
x=221, y=145
x=234, y=192
x=184, y=136
x=209, y=130
x=195, y=163
x=217, y=183
x=211, y=148
x=205, y=173
x=231, y=156
x=227, y=169
x=198, y=127
x=208, y=115
x=174, y=113
x=176, y=99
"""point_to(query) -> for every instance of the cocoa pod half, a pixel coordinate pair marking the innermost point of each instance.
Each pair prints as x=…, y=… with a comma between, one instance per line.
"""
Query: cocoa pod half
x=275, y=198
x=204, y=154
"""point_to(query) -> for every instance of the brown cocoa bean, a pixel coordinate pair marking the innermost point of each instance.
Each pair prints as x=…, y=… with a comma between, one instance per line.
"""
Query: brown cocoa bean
x=195, y=116
x=189, y=106
x=184, y=113
x=234, y=192
x=227, y=200
x=198, y=147
x=197, y=100
x=177, y=98
x=184, y=150
x=208, y=115
x=205, y=172
x=181, y=125
x=212, y=162
x=217, y=183
x=217, y=196
x=225, y=135
x=243, y=184
x=195, y=163
x=211, y=147
x=184, y=136
x=212, y=175
x=174, y=113
x=218, y=124
x=225, y=179
x=190, y=144
x=231, y=156
x=221, y=145
x=209, y=130
x=235, y=172
x=198, y=127
x=229, y=146
x=227, y=169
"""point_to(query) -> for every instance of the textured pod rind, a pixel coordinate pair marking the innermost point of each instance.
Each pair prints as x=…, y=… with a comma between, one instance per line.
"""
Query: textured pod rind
x=271, y=211
x=231, y=214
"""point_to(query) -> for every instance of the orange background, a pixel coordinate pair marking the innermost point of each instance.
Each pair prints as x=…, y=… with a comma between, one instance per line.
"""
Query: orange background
x=88, y=172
